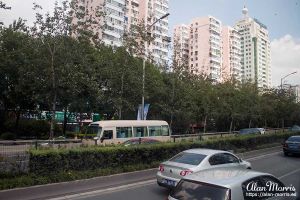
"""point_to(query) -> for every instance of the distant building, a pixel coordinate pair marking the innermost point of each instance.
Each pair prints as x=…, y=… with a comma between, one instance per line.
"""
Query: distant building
x=255, y=47
x=150, y=11
x=120, y=15
x=181, y=44
x=205, y=47
x=231, y=54
x=212, y=51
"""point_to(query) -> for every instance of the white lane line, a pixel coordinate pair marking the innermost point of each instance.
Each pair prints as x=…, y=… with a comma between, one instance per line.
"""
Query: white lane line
x=288, y=174
x=103, y=191
x=262, y=156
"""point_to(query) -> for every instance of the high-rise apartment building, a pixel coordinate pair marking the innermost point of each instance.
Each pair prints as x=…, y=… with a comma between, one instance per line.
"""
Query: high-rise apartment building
x=150, y=12
x=120, y=15
x=231, y=54
x=111, y=23
x=204, y=47
x=181, y=44
x=114, y=18
x=214, y=51
x=255, y=45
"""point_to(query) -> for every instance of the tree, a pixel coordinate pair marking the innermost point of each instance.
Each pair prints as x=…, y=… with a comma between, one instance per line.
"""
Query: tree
x=16, y=52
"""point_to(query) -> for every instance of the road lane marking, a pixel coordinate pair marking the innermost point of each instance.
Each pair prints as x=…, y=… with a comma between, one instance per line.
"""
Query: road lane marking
x=262, y=156
x=104, y=191
x=288, y=174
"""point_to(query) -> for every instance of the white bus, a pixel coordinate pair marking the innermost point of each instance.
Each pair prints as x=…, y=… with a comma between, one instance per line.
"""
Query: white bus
x=119, y=131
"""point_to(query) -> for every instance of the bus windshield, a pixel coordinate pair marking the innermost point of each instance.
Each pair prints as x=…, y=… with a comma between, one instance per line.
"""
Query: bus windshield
x=94, y=129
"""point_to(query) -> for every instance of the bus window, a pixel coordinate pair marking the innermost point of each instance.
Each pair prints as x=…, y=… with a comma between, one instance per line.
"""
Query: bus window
x=94, y=129
x=107, y=134
x=154, y=130
x=124, y=132
x=140, y=131
x=165, y=131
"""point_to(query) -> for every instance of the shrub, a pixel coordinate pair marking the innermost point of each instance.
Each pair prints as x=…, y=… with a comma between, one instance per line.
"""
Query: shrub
x=31, y=128
x=119, y=157
x=8, y=136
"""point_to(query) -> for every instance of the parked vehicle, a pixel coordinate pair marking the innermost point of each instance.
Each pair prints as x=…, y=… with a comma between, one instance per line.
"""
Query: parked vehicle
x=119, y=131
x=194, y=160
x=252, y=131
x=295, y=128
x=225, y=184
x=291, y=145
x=138, y=141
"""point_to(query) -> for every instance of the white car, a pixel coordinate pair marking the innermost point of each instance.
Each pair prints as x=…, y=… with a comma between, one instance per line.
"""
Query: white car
x=229, y=184
x=195, y=160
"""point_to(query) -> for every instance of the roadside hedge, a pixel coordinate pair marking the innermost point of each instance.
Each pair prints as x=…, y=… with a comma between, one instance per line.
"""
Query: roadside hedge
x=45, y=162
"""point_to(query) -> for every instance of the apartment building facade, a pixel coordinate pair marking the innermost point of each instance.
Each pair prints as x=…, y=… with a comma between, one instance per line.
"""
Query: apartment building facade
x=120, y=15
x=255, y=46
x=150, y=12
x=181, y=44
x=231, y=54
x=203, y=45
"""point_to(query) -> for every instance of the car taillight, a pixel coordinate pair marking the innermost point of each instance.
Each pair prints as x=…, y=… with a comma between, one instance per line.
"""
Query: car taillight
x=161, y=168
x=285, y=145
x=185, y=172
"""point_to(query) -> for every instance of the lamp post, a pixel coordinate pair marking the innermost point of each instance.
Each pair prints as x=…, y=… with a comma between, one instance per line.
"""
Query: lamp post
x=144, y=64
x=286, y=77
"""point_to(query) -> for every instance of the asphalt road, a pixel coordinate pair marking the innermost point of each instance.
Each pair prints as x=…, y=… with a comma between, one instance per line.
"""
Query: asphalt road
x=287, y=169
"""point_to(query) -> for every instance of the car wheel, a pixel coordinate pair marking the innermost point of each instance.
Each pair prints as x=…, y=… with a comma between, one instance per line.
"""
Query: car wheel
x=286, y=153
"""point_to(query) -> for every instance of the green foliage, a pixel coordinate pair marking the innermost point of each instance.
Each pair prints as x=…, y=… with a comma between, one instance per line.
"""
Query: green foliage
x=31, y=128
x=43, y=68
x=8, y=136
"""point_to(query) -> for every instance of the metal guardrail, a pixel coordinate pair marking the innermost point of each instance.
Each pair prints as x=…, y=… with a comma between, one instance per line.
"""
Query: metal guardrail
x=201, y=135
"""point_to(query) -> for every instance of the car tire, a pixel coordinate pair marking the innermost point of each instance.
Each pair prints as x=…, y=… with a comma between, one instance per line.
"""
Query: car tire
x=286, y=153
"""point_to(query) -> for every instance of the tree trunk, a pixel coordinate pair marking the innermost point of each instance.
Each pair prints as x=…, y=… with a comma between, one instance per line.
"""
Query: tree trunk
x=204, y=128
x=250, y=123
x=65, y=122
x=18, y=114
x=122, y=90
x=54, y=93
x=230, y=129
x=282, y=125
x=265, y=123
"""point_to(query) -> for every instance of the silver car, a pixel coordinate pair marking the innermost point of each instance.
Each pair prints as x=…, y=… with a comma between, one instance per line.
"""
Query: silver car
x=194, y=160
x=229, y=184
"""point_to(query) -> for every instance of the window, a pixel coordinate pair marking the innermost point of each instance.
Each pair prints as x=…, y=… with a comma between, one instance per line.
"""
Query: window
x=218, y=159
x=124, y=132
x=228, y=158
x=190, y=190
x=188, y=158
x=140, y=131
x=154, y=130
x=108, y=134
x=165, y=130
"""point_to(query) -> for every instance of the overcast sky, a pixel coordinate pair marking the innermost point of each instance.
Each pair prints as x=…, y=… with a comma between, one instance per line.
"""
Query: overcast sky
x=282, y=17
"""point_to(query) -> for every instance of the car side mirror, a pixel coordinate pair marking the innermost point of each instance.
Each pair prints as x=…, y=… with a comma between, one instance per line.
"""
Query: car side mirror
x=240, y=160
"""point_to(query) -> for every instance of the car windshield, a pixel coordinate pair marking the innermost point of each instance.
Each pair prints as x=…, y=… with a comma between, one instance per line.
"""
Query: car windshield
x=294, y=139
x=189, y=190
x=188, y=158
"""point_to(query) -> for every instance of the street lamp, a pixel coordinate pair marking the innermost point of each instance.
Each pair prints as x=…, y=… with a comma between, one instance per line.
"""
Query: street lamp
x=144, y=63
x=285, y=77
